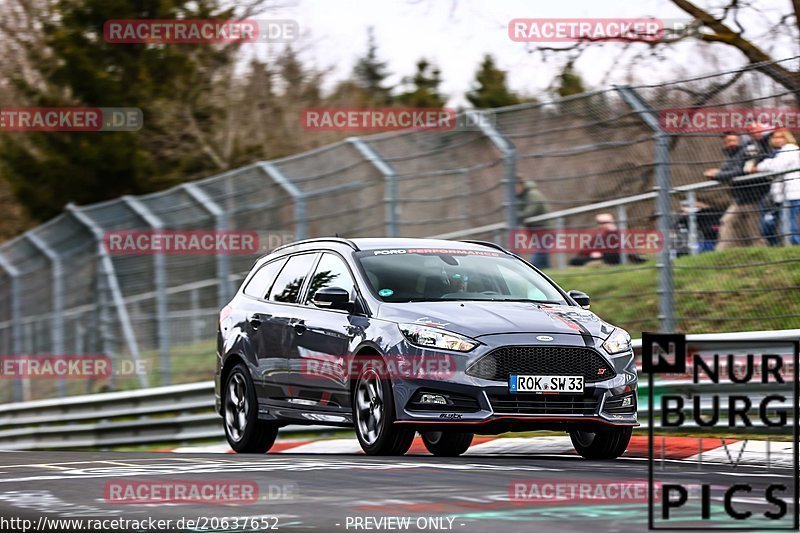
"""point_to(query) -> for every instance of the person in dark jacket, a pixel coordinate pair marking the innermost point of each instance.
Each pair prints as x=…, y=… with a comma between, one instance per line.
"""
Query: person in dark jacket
x=760, y=150
x=741, y=223
x=531, y=203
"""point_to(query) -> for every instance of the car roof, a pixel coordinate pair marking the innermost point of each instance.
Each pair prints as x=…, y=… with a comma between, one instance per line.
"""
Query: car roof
x=390, y=242
x=377, y=243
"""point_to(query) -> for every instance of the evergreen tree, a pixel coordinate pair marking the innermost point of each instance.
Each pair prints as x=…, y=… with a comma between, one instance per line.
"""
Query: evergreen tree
x=369, y=74
x=491, y=90
x=77, y=67
x=570, y=82
x=423, y=90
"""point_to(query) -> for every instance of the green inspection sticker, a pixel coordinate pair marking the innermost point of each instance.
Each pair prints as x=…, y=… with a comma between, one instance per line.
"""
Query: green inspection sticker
x=386, y=292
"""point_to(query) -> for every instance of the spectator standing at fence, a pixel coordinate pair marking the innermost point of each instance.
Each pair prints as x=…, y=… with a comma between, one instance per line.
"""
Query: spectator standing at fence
x=785, y=188
x=531, y=203
x=740, y=224
x=761, y=149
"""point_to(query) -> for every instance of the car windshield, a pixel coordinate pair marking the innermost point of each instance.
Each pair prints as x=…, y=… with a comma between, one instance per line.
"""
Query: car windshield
x=407, y=275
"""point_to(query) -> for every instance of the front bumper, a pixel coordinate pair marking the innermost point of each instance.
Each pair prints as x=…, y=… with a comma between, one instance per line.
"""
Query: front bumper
x=488, y=406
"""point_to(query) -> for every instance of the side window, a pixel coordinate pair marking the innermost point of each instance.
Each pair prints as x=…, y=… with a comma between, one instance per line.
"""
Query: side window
x=331, y=272
x=259, y=284
x=287, y=287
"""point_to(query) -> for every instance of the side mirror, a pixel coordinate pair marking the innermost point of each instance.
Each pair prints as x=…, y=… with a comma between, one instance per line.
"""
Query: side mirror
x=581, y=298
x=332, y=298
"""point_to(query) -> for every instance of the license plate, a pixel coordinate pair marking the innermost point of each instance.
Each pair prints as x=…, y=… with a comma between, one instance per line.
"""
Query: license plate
x=545, y=384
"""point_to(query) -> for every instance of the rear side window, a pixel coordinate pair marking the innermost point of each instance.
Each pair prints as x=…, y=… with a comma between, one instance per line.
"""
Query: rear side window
x=260, y=283
x=290, y=281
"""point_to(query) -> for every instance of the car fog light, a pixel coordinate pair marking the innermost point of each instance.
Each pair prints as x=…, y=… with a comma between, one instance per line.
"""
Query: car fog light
x=433, y=398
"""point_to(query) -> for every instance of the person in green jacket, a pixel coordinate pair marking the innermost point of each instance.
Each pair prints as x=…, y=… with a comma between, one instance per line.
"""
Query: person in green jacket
x=531, y=203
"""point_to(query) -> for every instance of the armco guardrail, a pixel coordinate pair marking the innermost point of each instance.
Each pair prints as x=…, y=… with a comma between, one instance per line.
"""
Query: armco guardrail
x=184, y=413
x=178, y=413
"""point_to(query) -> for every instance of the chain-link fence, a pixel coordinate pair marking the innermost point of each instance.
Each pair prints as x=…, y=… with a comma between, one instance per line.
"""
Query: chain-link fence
x=606, y=153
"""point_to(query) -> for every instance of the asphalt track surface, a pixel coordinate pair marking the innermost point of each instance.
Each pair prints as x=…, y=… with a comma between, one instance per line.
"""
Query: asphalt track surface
x=328, y=492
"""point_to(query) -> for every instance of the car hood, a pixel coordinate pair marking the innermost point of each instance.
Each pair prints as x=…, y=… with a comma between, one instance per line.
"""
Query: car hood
x=477, y=318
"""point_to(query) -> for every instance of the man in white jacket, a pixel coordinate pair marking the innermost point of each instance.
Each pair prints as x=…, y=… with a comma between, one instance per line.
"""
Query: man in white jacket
x=785, y=188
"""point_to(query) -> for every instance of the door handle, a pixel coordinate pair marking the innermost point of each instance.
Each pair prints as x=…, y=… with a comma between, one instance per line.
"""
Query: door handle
x=299, y=326
x=254, y=320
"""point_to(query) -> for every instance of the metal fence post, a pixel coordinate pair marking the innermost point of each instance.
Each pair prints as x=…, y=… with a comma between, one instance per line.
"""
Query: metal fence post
x=160, y=285
x=663, y=186
x=390, y=178
x=15, y=318
x=220, y=224
x=622, y=224
x=786, y=215
x=299, y=197
x=509, y=152
x=561, y=258
x=694, y=243
x=57, y=347
x=107, y=273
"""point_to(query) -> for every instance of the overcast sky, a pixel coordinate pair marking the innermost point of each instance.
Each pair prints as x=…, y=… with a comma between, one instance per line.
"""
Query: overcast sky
x=455, y=34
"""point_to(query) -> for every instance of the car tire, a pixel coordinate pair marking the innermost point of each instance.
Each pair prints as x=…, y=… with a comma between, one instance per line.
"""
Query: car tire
x=374, y=413
x=447, y=443
x=602, y=443
x=244, y=431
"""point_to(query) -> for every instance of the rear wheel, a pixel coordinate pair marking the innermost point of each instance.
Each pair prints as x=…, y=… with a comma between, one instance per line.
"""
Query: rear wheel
x=447, y=444
x=602, y=443
x=244, y=431
x=373, y=414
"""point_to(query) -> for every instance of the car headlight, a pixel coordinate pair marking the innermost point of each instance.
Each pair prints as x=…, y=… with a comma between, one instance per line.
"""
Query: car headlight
x=619, y=341
x=428, y=337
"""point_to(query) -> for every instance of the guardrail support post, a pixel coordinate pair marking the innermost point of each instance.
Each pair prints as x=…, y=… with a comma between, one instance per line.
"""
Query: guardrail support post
x=663, y=186
x=107, y=272
x=15, y=318
x=220, y=224
x=509, y=152
x=299, y=197
x=58, y=298
x=390, y=179
x=160, y=285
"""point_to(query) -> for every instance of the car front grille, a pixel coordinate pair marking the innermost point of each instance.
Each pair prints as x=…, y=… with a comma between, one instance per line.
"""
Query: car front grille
x=498, y=364
x=542, y=404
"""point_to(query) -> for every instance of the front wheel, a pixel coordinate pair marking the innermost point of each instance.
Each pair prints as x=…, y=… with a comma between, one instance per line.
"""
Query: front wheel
x=447, y=444
x=244, y=431
x=602, y=443
x=373, y=415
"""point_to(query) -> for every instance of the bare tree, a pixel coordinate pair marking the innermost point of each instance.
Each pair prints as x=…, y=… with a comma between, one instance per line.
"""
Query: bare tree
x=723, y=25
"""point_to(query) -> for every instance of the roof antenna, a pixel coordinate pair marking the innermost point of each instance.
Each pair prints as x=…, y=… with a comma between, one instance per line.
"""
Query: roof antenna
x=337, y=235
